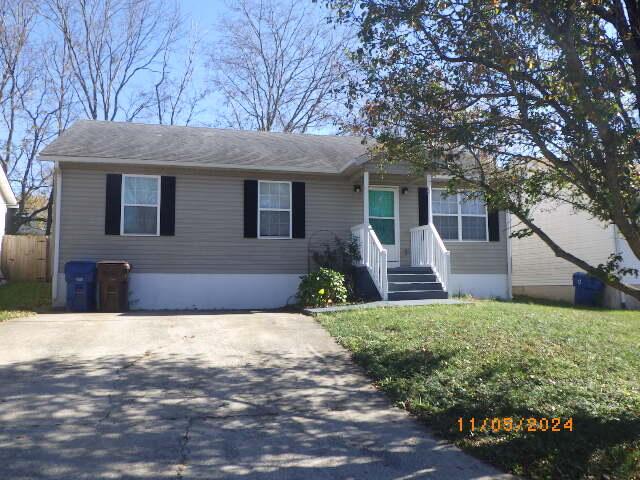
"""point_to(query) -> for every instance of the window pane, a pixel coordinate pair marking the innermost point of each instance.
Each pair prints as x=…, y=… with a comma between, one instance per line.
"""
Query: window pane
x=284, y=195
x=447, y=227
x=274, y=195
x=141, y=190
x=265, y=195
x=444, y=204
x=381, y=203
x=141, y=220
x=385, y=230
x=473, y=206
x=274, y=224
x=474, y=228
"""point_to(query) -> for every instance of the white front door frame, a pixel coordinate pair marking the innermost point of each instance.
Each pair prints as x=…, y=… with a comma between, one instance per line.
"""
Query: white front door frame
x=393, y=251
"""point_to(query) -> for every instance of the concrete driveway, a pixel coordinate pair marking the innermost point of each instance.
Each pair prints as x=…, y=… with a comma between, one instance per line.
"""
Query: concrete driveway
x=233, y=395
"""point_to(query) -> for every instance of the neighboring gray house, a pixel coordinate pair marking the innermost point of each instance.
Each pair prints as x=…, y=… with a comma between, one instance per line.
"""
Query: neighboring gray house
x=215, y=218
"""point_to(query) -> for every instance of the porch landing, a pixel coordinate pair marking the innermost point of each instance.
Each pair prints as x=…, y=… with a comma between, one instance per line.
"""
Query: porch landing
x=382, y=304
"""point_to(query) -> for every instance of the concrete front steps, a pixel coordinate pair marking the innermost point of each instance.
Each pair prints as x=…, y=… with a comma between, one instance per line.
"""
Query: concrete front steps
x=414, y=283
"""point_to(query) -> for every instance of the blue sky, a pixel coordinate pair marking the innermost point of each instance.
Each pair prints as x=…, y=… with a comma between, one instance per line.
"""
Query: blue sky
x=206, y=12
x=205, y=15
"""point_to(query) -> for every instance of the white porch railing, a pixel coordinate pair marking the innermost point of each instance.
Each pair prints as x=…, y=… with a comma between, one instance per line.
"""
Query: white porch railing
x=428, y=250
x=373, y=256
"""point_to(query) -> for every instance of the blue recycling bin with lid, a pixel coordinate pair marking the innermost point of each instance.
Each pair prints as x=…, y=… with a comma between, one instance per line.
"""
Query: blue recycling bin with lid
x=588, y=290
x=81, y=286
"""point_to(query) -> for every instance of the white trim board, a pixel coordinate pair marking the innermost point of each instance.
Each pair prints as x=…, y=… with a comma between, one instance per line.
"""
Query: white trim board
x=141, y=162
x=57, y=227
x=189, y=291
x=123, y=204
x=479, y=285
x=271, y=209
x=392, y=260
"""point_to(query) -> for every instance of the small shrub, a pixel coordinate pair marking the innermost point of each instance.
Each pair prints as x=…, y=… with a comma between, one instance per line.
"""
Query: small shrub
x=322, y=288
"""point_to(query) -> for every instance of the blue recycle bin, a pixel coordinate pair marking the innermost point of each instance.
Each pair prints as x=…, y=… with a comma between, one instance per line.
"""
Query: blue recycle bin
x=588, y=290
x=81, y=286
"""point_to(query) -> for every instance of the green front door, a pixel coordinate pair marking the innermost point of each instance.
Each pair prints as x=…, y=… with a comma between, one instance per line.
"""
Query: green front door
x=382, y=217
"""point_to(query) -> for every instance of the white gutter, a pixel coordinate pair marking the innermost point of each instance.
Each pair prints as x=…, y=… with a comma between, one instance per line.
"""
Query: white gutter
x=57, y=186
x=142, y=162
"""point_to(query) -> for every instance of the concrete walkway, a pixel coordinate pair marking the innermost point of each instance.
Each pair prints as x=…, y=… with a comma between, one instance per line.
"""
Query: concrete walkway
x=234, y=395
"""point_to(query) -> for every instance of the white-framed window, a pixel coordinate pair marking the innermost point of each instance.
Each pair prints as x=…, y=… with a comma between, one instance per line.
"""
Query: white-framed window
x=460, y=217
x=274, y=209
x=140, y=205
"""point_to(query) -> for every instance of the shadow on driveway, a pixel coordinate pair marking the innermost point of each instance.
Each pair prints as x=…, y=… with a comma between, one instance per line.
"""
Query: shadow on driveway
x=168, y=413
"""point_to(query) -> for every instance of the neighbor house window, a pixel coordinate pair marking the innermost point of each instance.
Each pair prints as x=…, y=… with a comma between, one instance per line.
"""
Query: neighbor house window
x=460, y=216
x=274, y=209
x=140, y=205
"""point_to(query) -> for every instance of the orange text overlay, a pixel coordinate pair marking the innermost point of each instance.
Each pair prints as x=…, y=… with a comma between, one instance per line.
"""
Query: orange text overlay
x=510, y=424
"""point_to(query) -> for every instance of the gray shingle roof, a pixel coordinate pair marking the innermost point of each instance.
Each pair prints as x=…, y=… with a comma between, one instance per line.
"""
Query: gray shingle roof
x=97, y=141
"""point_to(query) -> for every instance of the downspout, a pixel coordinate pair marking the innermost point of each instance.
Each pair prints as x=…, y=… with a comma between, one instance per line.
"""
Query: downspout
x=365, y=230
x=365, y=193
x=57, y=187
x=616, y=247
x=509, y=257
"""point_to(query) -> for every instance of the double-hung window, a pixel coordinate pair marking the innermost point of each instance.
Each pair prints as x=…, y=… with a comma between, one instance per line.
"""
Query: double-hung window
x=140, y=213
x=460, y=216
x=274, y=209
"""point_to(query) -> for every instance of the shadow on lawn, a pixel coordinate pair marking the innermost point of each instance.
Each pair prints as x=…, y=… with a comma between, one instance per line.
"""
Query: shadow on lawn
x=595, y=447
x=524, y=300
x=160, y=415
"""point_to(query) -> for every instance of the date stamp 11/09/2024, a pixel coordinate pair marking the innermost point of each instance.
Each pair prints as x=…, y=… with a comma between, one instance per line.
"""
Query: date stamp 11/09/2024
x=511, y=424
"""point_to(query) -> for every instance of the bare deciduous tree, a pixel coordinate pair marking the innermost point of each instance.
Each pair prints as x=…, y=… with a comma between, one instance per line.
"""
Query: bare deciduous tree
x=110, y=44
x=62, y=60
x=17, y=20
x=278, y=65
x=176, y=98
x=24, y=108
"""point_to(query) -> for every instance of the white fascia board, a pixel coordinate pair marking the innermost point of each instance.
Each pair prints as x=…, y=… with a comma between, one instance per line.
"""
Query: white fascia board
x=155, y=163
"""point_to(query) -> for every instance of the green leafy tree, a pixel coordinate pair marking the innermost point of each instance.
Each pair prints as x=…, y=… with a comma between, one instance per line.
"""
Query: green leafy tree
x=528, y=101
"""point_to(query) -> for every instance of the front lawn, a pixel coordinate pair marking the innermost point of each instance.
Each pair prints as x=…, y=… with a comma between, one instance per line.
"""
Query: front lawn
x=19, y=299
x=511, y=360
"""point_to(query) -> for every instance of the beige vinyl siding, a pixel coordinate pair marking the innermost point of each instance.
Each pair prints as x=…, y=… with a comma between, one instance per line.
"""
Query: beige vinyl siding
x=209, y=224
x=466, y=257
x=480, y=257
x=534, y=263
x=408, y=210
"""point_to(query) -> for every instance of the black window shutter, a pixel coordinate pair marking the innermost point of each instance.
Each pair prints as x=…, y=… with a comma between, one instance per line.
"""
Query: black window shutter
x=423, y=206
x=112, y=204
x=298, y=209
x=250, y=209
x=167, y=206
x=494, y=226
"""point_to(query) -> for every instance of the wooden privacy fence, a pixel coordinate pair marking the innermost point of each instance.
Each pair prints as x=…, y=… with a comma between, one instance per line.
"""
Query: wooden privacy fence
x=25, y=257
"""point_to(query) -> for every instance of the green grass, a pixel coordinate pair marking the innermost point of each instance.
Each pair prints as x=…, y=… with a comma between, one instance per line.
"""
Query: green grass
x=518, y=360
x=19, y=299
